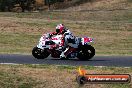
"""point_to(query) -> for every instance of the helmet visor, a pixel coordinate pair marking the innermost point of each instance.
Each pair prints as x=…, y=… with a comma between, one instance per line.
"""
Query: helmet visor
x=57, y=30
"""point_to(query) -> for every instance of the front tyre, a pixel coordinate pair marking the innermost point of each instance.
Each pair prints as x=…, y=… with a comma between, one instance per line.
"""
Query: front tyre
x=86, y=52
x=39, y=53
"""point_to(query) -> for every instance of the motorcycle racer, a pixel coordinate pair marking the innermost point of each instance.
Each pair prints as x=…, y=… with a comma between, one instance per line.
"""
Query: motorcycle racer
x=63, y=45
x=60, y=29
x=70, y=44
x=69, y=40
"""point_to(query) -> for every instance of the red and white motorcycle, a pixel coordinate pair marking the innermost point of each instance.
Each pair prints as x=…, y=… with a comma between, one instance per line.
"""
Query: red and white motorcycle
x=52, y=46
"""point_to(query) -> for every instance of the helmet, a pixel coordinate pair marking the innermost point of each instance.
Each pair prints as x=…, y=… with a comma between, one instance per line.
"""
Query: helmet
x=60, y=28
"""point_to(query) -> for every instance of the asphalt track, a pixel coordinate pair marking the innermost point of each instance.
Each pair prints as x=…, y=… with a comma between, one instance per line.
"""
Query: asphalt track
x=120, y=61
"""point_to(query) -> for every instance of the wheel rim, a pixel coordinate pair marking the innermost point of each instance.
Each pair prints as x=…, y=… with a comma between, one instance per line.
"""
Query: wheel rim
x=87, y=52
x=38, y=52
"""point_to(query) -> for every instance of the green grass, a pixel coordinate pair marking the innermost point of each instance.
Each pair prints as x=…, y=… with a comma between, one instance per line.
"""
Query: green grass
x=111, y=30
x=118, y=86
x=17, y=43
x=49, y=76
x=12, y=80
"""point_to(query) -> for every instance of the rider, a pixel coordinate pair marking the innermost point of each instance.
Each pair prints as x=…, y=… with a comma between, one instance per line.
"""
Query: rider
x=59, y=30
x=68, y=40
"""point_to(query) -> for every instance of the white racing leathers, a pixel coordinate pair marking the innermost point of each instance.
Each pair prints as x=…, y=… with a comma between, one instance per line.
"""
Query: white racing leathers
x=70, y=44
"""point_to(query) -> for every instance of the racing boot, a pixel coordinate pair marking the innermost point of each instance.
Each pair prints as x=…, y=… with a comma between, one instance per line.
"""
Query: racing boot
x=62, y=56
x=66, y=52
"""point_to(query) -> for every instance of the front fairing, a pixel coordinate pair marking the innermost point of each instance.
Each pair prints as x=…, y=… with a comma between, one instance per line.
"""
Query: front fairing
x=57, y=39
x=41, y=43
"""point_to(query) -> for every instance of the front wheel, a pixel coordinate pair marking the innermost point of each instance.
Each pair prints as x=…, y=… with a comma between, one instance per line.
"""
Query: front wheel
x=86, y=52
x=39, y=53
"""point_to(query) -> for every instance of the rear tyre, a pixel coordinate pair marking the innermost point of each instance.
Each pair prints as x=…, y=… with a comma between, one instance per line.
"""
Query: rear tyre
x=86, y=52
x=39, y=53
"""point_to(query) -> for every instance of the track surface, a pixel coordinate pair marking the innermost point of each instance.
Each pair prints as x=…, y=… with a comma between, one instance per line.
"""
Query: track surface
x=123, y=61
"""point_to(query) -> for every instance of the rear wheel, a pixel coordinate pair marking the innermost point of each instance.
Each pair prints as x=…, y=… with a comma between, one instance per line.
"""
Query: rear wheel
x=86, y=52
x=39, y=53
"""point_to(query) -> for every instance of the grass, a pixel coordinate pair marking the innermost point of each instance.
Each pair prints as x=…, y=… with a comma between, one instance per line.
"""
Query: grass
x=102, y=5
x=17, y=42
x=52, y=76
x=111, y=30
x=12, y=80
x=20, y=32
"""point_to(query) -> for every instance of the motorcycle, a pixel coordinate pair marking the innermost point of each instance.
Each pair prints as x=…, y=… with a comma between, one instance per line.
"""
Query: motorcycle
x=53, y=46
